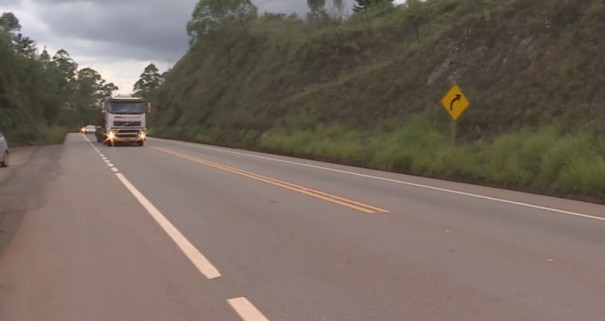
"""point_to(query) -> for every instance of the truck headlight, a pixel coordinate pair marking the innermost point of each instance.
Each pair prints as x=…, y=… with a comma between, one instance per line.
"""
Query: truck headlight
x=111, y=135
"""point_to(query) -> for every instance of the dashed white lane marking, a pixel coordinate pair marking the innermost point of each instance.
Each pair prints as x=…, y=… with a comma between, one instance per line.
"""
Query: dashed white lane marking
x=445, y=190
x=110, y=164
x=190, y=251
x=246, y=310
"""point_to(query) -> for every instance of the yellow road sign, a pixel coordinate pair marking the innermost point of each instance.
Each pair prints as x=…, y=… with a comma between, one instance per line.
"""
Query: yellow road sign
x=454, y=102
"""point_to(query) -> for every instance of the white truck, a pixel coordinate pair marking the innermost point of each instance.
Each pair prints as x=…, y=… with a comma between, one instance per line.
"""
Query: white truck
x=121, y=119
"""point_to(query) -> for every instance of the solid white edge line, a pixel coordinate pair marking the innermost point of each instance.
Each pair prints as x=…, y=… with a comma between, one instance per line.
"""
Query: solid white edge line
x=190, y=251
x=489, y=198
x=246, y=310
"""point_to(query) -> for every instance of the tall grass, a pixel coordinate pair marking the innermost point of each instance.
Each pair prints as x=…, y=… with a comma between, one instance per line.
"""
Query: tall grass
x=546, y=159
x=38, y=135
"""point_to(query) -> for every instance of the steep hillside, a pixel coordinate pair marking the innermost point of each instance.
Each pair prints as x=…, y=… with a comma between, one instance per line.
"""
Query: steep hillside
x=366, y=91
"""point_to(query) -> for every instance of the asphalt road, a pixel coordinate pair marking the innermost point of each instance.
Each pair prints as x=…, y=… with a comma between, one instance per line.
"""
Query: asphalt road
x=180, y=231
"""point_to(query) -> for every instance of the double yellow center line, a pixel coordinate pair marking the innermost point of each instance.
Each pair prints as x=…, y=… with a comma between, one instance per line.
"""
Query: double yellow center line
x=365, y=208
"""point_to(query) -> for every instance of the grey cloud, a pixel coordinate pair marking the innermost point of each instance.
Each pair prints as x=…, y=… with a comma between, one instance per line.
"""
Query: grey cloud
x=142, y=29
x=10, y=2
x=138, y=29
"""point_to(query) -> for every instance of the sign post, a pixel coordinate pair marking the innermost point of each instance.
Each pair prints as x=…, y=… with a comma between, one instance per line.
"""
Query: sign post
x=455, y=103
x=453, y=130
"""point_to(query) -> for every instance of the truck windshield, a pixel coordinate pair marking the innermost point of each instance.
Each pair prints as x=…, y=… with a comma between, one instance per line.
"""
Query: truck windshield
x=126, y=107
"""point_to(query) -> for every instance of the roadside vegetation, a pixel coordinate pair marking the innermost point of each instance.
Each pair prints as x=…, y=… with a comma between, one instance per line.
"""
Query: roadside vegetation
x=42, y=97
x=543, y=159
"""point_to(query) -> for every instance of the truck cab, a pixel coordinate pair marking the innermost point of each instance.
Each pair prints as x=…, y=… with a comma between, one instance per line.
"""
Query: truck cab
x=121, y=119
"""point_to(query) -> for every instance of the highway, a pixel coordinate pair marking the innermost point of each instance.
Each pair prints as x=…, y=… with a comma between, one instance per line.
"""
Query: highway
x=182, y=231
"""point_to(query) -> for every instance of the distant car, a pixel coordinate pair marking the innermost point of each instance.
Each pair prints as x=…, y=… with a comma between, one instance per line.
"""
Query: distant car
x=90, y=129
x=3, y=151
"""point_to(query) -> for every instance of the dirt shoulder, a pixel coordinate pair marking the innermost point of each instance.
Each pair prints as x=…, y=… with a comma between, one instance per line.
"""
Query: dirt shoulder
x=22, y=184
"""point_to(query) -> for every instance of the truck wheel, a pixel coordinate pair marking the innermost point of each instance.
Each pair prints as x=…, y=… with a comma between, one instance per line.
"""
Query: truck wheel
x=141, y=143
x=4, y=162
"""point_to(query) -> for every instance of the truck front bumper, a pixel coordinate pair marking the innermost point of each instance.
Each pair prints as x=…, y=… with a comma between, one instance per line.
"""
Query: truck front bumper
x=126, y=135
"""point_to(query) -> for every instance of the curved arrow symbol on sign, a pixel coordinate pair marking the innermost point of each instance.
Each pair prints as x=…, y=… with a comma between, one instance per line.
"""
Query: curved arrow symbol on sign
x=457, y=98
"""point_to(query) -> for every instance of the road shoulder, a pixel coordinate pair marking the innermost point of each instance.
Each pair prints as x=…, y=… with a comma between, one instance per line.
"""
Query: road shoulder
x=22, y=185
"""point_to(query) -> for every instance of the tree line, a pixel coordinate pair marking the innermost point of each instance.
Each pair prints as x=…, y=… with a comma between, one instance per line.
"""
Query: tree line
x=211, y=16
x=37, y=89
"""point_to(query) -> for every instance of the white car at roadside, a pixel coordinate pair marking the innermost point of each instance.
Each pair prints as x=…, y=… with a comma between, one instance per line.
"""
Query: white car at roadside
x=3, y=151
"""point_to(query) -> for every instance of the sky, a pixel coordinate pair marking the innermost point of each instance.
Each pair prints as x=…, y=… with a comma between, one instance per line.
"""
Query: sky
x=118, y=38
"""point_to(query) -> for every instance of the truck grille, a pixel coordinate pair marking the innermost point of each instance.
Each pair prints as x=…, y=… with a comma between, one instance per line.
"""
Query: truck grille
x=127, y=123
x=127, y=132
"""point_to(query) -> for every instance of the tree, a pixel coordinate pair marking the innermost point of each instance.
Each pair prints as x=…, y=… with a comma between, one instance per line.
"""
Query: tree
x=338, y=9
x=149, y=81
x=65, y=69
x=107, y=89
x=51, y=96
x=24, y=46
x=89, y=90
x=9, y=22
x=414, y=15
x=65, y=64
x=366, y=5
x=223, y=23
x=44, y=57
x=213, y=15
x=87, y=82
x=317, y=10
